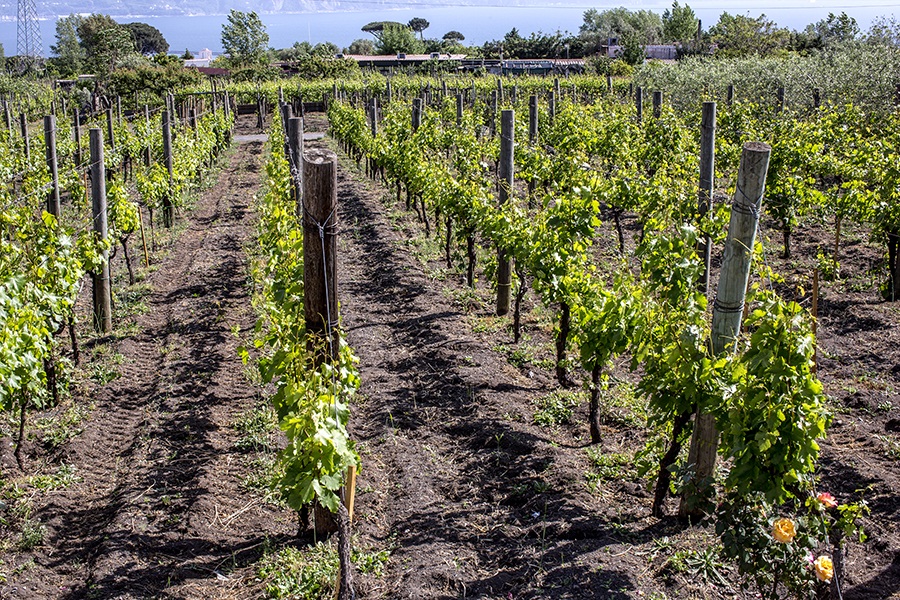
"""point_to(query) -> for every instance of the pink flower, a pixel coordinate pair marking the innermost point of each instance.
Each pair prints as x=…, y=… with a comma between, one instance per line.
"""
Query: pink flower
x=827, y=500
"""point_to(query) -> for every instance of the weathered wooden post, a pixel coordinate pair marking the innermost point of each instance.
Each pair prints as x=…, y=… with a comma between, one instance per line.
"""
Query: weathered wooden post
x=639, y=103
x=817, y=98
x=506, y=170
x=101, y=286
x=657, y=104
x=295, y=141
x=387, y=92
x=552, y=107
x=416, y=114
x=76, y=132
x=119, y=110
x=728, y=308
x=500, y=89
x=608, y=83
x=492, y=114
x=532, y=134
x=109, y=129
x=780, y=97
x=26, y=141
x=167, y=206
x=7, y=118
x=556, y=86
x=730, y=96
x=707, y=184
x=147, y=150
x=319, y=251
x=53, y=206
x=459, y=109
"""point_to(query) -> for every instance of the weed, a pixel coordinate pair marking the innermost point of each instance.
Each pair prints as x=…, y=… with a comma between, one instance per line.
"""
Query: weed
x=890, y=446
x=62, y=478
x=263, y=473
x=304, y=574
x=606, y=467
x=255, y=425
x=557, y=407
x=699, y=563
x=60, y=428
x=32, y=534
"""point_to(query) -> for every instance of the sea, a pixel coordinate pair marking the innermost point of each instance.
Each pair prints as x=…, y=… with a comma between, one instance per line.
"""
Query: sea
x=477, y=23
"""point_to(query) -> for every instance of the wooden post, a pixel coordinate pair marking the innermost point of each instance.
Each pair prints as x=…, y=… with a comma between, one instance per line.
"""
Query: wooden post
x=657, y=104
x=780, y=95
x=101, y=287
x=109, y=129
x=23, y=124
x=192, y=118
x=639, y=103
x=728, y=308
x=553, y=107
x=492, y=114
x=387, y=92
x=7, y=116
x=556, y=86
x=707, y=184
x=50, y=145
x=459, y=109
x=147, y=150
x=295, y=142
x=730, y=97
x=506, y=170
x=320, y=251
x=817, y=99
x=143, y=236
x=532, y=120
x=76, y=131
x=119, y=110
x=167, y=207
x=416, y=114
x=500, y=89
x=514, y=93
x=608, y=83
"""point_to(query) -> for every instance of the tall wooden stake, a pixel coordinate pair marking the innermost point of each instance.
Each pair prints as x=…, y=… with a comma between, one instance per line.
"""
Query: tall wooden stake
x=707, y=181
x=168, y=209
x=504, y=264
x=101, y=285
x=320, y=249
x=50, y=146
x=295, y=143
x=728, y=309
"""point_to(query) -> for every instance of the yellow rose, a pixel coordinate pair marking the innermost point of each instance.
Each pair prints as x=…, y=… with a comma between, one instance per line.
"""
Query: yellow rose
x=784, y=531
x=824, y=569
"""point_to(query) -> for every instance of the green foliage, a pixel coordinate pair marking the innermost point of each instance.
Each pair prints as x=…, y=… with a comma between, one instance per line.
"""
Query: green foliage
x=776, y=412
x=70, y=54
x=148, y=40
x=244, y=38
x=419, y=25
x=397, y=38
x=740, y=35
x=679, y=24
x=307, y=574
x=361, y=46
x=556, y=408
x=105, y=42
x=645, y=26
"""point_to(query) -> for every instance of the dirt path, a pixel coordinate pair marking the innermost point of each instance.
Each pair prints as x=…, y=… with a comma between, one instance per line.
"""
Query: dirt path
x=161, y=511
x=475, y=500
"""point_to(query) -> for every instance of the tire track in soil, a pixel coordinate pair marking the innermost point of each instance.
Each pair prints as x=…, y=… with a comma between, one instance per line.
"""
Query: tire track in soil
x=476, y=501
x=161, y=511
